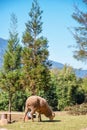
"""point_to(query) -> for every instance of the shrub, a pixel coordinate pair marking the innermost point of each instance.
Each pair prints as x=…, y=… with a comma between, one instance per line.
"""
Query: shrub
x=78, y=109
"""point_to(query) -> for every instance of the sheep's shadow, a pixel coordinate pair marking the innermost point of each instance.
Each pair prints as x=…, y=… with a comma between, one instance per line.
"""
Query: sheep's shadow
x=51, y=121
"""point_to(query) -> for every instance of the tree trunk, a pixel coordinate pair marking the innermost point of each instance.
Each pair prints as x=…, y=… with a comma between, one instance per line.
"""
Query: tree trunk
x=9, y=116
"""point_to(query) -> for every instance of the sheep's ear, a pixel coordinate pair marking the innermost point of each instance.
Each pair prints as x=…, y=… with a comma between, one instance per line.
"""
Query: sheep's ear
x=53, y=114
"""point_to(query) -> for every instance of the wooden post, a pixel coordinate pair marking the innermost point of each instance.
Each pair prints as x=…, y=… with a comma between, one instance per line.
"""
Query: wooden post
x=3, y=120
x=3, y=116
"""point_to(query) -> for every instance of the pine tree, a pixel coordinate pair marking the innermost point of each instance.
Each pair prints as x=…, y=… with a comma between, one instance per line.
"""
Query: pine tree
x=35, y=54
x=11, y=66
x=80, y=34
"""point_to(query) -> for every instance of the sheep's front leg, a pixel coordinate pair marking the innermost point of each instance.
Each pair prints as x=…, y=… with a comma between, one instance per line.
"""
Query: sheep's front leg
x=26, y=111
x=31, y=114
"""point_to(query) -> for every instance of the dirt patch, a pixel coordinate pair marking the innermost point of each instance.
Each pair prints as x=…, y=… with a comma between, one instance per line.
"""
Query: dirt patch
x=15, y=116
x=63, y=113
x=18, y=116
x=3, y=129
x=84, y=129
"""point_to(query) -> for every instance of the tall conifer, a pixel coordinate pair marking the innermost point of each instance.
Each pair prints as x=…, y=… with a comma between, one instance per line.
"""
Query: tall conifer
x=11, y=66
x=35, y=53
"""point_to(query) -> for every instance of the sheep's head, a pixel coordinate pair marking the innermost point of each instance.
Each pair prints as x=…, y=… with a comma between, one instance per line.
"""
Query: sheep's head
x=52, y=116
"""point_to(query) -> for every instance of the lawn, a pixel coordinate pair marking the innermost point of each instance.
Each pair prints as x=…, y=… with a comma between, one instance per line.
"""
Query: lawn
x=62, y=121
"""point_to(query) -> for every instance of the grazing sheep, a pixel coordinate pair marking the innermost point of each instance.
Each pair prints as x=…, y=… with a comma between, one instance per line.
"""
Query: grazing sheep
x=40, y=105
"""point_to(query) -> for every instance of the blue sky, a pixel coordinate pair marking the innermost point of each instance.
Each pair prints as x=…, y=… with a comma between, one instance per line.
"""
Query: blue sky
x=56, y=19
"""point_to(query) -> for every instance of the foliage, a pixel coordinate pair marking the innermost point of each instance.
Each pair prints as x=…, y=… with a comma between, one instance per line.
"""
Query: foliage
x=80, y=34
x=35, y=54
x=19, y=101
x=69, y=90
x=84, y=86
x=3, y=101
x=52, y=96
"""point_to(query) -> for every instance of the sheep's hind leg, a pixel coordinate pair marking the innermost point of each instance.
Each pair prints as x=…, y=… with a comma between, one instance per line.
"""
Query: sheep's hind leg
x=39, y=117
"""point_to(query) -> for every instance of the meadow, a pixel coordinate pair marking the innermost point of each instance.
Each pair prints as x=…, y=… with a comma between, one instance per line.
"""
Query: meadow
x=62, y=121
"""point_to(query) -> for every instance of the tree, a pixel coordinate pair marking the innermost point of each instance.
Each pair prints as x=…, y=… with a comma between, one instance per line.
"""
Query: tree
x=35, y=54
x=80, y=34
x=9, y=77
x=68, y=88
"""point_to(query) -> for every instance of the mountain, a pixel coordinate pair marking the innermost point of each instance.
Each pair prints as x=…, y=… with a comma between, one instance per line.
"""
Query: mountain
x=80, y=73
x=3, y=45
x=56, y=64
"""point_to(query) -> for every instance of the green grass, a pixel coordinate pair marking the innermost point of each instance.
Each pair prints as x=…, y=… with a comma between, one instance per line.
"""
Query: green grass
x=61, y=122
